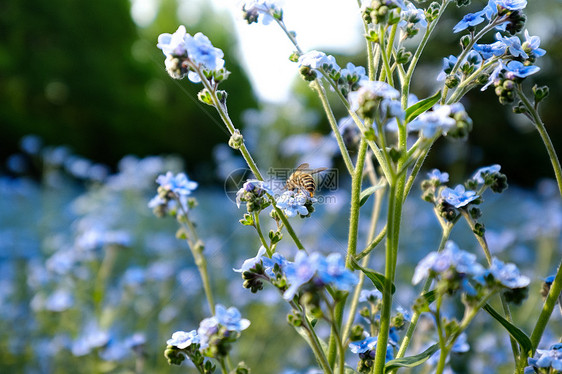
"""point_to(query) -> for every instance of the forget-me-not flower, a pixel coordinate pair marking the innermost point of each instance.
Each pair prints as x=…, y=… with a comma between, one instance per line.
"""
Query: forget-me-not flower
x=439, y=176
x=513, y=45
x=293, y=203
x=231, y=318
x=173, y=44
x=432, y=122
x=551, y=358
x=470, y=20
x=254, y=8
x=251, y=262
x=362, y=346
x=369, y=295
x=531, y=45
x=182, y=339
x=332, y=270
x=300, y=272
x=519, y=70
x=507, y=275
x=482, y=172
x=178, y=184
x=489, y=50
x=458, y=197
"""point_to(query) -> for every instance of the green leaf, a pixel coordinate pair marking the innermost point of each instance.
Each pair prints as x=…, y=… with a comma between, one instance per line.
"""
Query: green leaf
x=513, y=330
x=411, y=361
x=422, y=106
x=377, y=278
x=369, y=191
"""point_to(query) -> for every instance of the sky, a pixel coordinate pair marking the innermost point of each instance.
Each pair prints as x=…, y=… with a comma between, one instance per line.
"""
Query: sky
x=264, y=50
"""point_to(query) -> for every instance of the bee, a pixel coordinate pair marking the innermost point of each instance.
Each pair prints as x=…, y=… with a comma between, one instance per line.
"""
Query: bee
x=302, y=179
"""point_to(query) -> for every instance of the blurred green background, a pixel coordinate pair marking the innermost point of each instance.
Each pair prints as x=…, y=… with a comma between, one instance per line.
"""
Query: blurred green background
x=82, y=73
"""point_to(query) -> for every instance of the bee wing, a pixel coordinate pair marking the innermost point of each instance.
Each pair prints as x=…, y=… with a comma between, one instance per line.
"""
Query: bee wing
x=303, y=167
x=316, y=171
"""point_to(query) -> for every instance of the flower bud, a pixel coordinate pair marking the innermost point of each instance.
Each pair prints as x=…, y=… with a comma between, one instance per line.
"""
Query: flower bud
x=205, y=97
x=465, y=41
x=540, y=93
x=236, y=140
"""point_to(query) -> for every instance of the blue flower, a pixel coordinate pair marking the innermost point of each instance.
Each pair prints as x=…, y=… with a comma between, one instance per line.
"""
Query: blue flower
x=470, y=20
x=178, y=184
x=551, y=358
x=252, y=189
x=531, y=45
x=207, y=328
x=276, y=259
x=461, y=344
x=173, y=44
x=513, y=44
x=293, y=203
x=507, y=275
x=352, y=73
x=438, y=176
x=362, y=346
x=251, y=262
x=451, y=257
x=254, y=8
x=517, y=69
x=332, y=270
x=437, y=120
x=202, y=53
x=481, y=173
x=369, y=296
x=372, y=90
x=511, y=4
x=231, y=318
x=182, y=339
x=489, y=50
x=318, y=60
x=299, y=272
x=458, y=197
x=494, y=75
x=448, y=64
x=412, y=16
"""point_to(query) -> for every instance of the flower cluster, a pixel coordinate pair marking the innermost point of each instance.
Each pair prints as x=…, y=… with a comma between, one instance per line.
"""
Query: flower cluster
x=549, y=360
x=263, y=11
x=213, y=338
x=172, y=196
x=451, y=120
x=366, y=349
x=254, y=194
x=296, y=202
x=194, y=56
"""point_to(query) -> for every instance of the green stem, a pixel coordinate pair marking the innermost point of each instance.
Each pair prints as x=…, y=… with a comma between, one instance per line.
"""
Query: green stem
x=223, y=366
x=372, y=244
x=386, y=73
x=556, y=287
x=334, y=125
x=418, y=53
x=352, y=239
x=442, y=343
x=260, y=234
x=416, y=316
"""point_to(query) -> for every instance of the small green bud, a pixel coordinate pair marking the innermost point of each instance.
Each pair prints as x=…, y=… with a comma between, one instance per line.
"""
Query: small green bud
x=465, y=41
x=475, y=212
x=294, y=57
x=205, y=97
x=248, y=220
x=174, y=355
x=394, y=154
x=540, y=93
x=516, y=295
x=365, y=312
x=356, y=333
x=403, y=56
x=452, y=81
x=307, y=73
x=432, y=11
x=479, y=229
x=370, y=135
x=372, y=36
x=241, y=368
x=463, y=3
x=236, y=140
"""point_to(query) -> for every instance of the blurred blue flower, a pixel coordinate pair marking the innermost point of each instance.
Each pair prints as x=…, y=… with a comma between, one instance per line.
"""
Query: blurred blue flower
x=458, y=197
x=494, y=75
x=276, y=259
x=182, y=339
x=551, y=358
x=178, y=184
x=517, y=69
x=173, y=44
x=352, y=73
x=448, y=64
x=461, y=344
x=332, y=270
x=299, y=272
x=507, y=275
x=362, y=346
x=510, y=4
x=470, y=20
x=317, y=60
x=451, y=257
x=531, y=45
x=207, y=328
x=92, y=337
x=436, y=121
x=483, y=172
x=489, y=50
x=231, y=318
x=412, y=16
x=370, y=295
x=438, y=176
x=255, y=8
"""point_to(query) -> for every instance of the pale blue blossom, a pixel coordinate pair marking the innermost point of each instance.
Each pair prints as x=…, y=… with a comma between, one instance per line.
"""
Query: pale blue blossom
x=372, y=91
x=513, y=45
x=231, y=318
x=494, y=75
x=481, y=173
x=458, y=197
x=433, y=122
x=300, y=272
x=332, y=270
x=353, y=73
x=531, y=45
x=451, y=257
x=203, y=53
x=173, y=44
x=510, y=4
x=317, y=60
x=254, y=8
x=368, y=295
x=489, y=50
x=251, y=262
x=293, y=203
x=508, y=275
x=207, y=328
x=519, y=70
x=461, y=344
x=436, y=175
x=179, y=184
x=412, y=16
x=448, y=64
x=469, y=20
x=182, y=339
x=551, y=358
x=362, y=346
